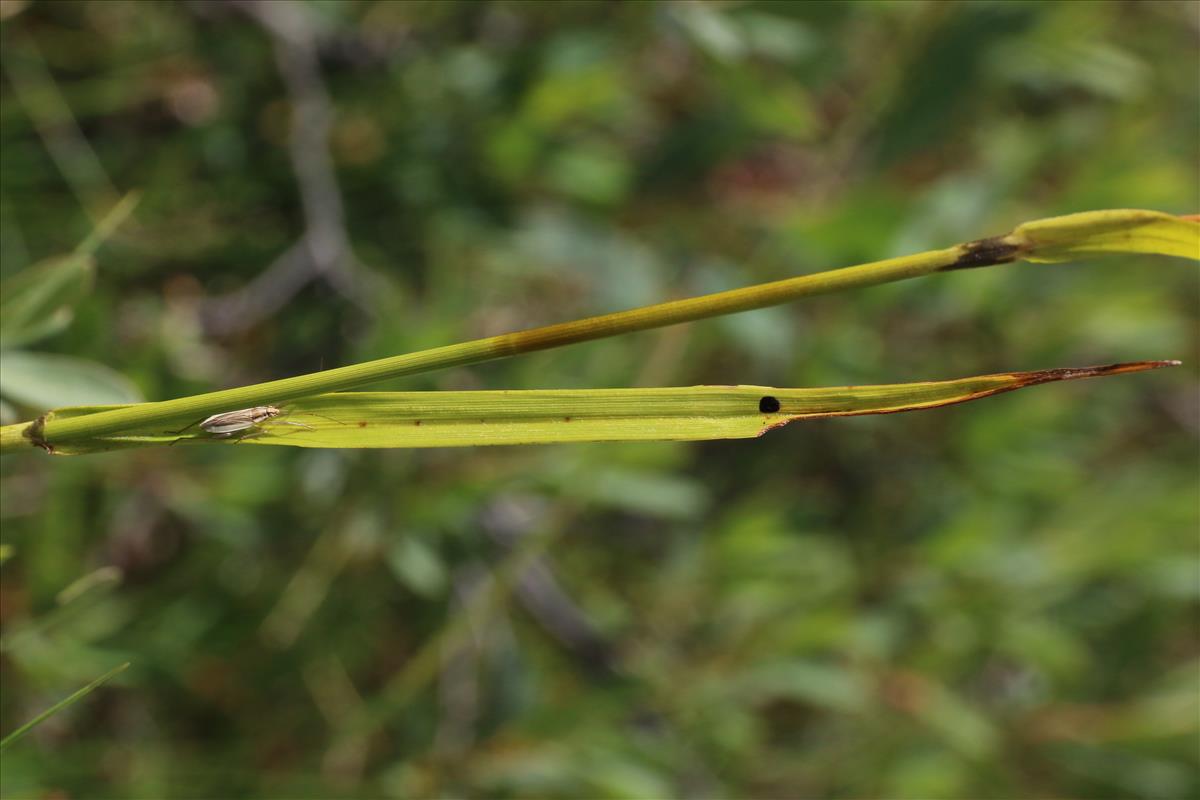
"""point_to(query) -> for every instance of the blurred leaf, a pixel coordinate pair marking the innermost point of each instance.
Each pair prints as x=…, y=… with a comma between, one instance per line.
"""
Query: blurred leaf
x=39, y=301
x=592, y=174
x=417, y=566
x=41, y=380
x=828, y=686
x=937, y=88
x=611, y=776
x=108, y=225
x=711, y=29
x=928, y=772
x=640, y=492
x=1101, y=68
x=778, y=37
x=962, y=726
x=103, y=579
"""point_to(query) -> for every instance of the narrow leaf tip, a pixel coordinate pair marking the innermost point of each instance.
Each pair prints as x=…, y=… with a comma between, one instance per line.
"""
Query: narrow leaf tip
x=1072, y=373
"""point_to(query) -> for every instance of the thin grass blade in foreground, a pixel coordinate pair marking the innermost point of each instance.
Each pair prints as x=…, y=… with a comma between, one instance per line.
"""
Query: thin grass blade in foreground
x=69, y=700
x=1053, y=239
x=458, y=419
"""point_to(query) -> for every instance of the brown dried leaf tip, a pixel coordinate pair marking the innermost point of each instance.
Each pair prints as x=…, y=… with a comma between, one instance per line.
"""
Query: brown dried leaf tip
x=1072, y=373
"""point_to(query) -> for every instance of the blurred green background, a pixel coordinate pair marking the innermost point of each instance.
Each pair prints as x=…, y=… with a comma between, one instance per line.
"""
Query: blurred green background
x=992, y=600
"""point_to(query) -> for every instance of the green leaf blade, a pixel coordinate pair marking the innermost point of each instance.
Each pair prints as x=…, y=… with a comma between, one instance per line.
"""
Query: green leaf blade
x=66, y=702
x=1113, y=231
x=462, y=419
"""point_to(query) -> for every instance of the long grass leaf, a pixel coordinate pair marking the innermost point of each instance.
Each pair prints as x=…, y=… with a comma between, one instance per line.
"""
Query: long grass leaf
x=458, y=419
x=70, y=700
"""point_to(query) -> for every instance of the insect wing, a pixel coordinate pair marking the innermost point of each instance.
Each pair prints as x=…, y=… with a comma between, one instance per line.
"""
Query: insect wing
x=233, y=421
x=226, y=423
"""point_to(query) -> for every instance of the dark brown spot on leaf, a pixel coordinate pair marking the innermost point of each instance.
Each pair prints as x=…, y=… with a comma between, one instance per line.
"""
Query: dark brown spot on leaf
x=985, y=253
x=768, y=405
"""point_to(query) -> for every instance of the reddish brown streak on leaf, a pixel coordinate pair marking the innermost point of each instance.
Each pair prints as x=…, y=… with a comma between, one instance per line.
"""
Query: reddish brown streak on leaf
x=1021, y=380
x=1072, y=373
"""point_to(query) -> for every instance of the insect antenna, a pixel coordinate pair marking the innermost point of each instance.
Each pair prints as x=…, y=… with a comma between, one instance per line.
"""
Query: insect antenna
x=297, y=424
x=322, y=416
x=307, y=413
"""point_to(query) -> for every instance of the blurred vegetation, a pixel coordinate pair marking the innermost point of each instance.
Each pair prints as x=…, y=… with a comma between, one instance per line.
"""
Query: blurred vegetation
x=994, y=600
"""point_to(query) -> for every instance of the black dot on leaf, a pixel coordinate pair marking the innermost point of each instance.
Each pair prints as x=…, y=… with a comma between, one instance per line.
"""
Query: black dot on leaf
x=768, y=405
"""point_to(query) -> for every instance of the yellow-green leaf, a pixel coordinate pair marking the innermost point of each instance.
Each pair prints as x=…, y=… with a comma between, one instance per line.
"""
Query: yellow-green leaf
x=1114, y=231
x=455, y=419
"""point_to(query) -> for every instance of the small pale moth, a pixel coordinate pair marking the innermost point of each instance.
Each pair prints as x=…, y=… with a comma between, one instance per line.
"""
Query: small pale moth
x=228, y=423
x=231, y=422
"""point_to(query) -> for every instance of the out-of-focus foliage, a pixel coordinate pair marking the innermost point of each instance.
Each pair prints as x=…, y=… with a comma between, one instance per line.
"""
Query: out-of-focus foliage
x=994, y=600
x=38, y=302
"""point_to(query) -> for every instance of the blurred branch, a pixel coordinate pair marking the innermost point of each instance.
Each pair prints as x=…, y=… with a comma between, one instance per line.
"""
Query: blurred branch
x=324, y=250
x=476, y=608
x=306, y=590
x=543, y=596
x=458, y=682
x=336, y=698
